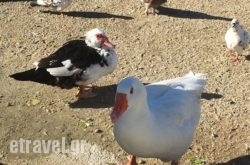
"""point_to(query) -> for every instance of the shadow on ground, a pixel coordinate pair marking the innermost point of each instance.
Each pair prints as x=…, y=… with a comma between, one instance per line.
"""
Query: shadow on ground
x=188, y=14
x=210, y=96
x=106, y=94
x=248, y=57
x=104, y=99
x=88, y=14
x=242, y=160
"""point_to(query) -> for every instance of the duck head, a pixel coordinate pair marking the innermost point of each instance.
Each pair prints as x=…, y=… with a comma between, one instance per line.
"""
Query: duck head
x=97, y=38
x=130, y=93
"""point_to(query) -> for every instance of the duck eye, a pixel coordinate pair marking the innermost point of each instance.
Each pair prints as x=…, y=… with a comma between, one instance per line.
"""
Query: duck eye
x=131, y=90
x=99, y=36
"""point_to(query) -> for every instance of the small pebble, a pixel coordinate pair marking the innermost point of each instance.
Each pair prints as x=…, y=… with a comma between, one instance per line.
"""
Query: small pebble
x=98, y=131
x=8, y=104
x=45, y=133
x=215, y=135
x=141, y=161
x=48, y=110
x=90, y=119
x=232, y=102
x=217, y=90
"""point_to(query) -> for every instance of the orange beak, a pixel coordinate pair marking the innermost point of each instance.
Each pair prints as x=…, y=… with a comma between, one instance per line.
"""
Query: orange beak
x=121, y=105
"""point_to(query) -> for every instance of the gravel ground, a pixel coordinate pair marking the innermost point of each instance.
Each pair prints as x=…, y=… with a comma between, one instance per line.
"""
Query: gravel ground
x=187, y=35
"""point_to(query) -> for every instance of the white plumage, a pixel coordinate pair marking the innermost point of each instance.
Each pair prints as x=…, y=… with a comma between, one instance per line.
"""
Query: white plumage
x=57, y=5
x=90, y=74
x=94, y=72
x=64, y=70
x=157, y=120
x=152, y=4
x=237, y=38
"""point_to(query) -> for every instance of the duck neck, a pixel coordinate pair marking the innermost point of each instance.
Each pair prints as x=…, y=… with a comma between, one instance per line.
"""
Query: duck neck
x=141, y=107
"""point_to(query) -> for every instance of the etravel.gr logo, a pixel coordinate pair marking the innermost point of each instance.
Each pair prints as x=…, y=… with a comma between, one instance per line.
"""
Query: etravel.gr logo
x=46, y=146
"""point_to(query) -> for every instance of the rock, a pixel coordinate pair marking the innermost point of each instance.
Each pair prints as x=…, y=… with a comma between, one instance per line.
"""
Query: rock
x=45, y=133
x=32, y=102
x=48, y=111
x=215, y=135
x=90, y=119
x=232, y=102
x=98, y=131
x=141, y=161
x=8, y=104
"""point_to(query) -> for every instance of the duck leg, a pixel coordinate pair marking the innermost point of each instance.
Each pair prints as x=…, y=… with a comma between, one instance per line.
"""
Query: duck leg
x=147, y=7
x=154, y=11
x=229, y=52
x=132, y=160
x=235, y=59
x=85, y=92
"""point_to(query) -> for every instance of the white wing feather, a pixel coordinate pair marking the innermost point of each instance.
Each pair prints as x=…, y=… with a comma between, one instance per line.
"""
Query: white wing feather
x=63, y=71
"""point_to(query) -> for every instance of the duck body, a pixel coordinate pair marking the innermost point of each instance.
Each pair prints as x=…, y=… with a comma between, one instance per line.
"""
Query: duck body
x=152, y=4
x=162, y=121
x=73, y=64
x=237, y=39
x=57, y=5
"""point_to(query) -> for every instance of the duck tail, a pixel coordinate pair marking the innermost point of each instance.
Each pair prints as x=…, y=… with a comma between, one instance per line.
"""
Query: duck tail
x=39, y=75
x=40, y=3
x=197, y=81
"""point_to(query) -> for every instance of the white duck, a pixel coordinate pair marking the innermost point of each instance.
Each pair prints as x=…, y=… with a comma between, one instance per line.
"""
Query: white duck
x=157, y=120
x=57, y=5
x=152, y=4
x=237, y=39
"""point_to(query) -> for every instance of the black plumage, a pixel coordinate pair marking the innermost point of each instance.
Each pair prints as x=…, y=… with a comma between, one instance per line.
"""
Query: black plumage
x=81, y=57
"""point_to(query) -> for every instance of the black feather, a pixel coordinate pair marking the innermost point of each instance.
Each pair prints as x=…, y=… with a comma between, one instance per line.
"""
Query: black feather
x=42, y=76
x=80, y=55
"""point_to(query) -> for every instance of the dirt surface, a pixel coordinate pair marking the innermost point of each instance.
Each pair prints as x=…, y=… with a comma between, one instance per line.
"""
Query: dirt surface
x=187, y=35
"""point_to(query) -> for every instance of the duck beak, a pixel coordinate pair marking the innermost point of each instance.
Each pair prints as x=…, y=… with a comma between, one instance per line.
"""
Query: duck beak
x=108, y=44
x=121, y=105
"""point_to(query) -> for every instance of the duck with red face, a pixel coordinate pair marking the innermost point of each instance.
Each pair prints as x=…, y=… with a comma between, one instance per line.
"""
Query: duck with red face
x=75, y=63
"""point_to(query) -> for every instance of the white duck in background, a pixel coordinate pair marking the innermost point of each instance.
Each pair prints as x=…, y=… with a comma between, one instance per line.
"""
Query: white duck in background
x=56, y=5
x=152, y=4
x=157, y=120
x=237, y=39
